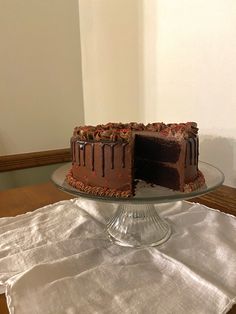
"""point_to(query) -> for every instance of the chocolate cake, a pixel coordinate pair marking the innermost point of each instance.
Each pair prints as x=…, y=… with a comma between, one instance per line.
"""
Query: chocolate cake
x=107, y=159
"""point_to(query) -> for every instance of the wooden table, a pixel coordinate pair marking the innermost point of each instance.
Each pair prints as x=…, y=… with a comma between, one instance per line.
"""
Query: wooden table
x=21, y=200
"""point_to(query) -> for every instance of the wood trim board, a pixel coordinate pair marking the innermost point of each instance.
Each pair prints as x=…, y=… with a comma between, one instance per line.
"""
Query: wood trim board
x=35, y=159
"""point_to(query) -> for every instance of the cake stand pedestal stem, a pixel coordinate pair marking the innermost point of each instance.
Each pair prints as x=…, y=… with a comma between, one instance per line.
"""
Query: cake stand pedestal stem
x=137, y=225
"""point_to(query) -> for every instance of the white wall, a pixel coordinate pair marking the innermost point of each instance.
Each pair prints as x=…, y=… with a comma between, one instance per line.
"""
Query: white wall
x=196, y=68
x=111, y=60
x=40, y=75
x=197, y=64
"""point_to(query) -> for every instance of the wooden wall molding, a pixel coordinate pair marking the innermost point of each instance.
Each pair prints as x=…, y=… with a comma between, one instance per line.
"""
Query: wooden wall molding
x=35, y=159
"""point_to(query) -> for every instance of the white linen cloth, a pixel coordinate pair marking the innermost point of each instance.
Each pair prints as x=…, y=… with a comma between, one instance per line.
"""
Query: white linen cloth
x=58, y=259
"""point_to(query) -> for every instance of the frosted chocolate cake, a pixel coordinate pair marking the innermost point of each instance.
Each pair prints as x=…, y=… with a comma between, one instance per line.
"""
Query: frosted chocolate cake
x=107, y=159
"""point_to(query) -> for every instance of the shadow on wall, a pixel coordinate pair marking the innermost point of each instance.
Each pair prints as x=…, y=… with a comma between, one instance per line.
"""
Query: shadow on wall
x=220, y=152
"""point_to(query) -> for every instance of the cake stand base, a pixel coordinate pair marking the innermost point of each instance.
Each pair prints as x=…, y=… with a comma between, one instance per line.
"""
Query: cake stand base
x=137, y=225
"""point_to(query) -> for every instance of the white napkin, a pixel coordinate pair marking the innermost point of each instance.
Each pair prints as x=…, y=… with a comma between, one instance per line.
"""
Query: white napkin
x=58, y=259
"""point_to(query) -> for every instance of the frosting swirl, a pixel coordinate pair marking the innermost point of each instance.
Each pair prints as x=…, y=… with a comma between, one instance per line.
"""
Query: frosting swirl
x=112, y=132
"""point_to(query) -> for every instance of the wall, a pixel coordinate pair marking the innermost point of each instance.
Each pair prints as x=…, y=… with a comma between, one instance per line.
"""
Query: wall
x=40, y=75
x=196, y=74
x=110, y=44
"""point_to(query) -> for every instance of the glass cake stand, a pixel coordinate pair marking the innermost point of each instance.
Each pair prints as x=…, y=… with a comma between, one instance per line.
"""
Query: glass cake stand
x=136, y=221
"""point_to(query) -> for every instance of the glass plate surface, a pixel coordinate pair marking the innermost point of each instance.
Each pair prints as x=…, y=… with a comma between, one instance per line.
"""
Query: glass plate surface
x=144, y=192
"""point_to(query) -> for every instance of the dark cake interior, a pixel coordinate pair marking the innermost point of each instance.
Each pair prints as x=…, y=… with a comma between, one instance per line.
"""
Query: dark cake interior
x=166, y=162
x=152, y=156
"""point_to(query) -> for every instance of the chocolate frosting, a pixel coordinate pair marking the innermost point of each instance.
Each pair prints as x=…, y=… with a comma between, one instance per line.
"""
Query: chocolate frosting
x=113, y=132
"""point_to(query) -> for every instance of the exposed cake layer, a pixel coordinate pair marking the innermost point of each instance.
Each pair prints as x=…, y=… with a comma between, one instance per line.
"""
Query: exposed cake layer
x=167, y=162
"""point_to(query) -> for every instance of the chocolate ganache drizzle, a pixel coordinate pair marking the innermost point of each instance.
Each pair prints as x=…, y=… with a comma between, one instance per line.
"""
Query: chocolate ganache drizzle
x=79, y=153
x=192, y=148
x=112, y=146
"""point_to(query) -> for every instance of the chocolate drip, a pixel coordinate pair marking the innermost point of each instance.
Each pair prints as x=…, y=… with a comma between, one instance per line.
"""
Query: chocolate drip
x=73, y=151
x=191, y=151
x=185, y=157
x=123, y=155
x=84, y=154
x=77, y=153
x=112, y=155
x=92, y=155
x=82, y=147
x=103, y=160
x=195, y=151
x=112, y=145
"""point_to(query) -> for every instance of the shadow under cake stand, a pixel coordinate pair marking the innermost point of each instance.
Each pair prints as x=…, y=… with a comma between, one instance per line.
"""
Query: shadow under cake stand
x=136, y=221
